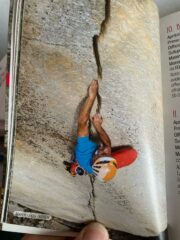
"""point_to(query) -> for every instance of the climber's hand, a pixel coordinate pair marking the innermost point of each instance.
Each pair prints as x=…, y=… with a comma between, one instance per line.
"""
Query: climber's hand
x=97, y=120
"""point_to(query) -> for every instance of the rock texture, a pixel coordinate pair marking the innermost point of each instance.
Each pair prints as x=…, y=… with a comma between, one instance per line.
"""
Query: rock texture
x=56, y=66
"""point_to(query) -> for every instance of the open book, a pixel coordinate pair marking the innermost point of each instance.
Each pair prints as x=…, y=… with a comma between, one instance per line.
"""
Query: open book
x=82, y=150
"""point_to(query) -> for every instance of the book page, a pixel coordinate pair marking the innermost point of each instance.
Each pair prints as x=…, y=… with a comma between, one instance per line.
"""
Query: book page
x=55, y=185
x=170, y=54
x=2, y=89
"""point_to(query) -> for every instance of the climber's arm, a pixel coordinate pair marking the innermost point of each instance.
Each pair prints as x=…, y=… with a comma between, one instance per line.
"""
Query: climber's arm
x=97, y=123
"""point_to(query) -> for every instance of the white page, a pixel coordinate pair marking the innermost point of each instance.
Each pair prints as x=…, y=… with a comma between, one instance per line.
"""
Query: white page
x=170, y=53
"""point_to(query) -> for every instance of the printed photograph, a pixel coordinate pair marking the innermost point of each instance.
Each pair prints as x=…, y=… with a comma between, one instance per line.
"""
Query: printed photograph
x=88, y=118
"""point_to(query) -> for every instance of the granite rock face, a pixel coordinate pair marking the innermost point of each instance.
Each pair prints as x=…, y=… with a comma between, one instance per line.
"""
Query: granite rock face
x=57, y=64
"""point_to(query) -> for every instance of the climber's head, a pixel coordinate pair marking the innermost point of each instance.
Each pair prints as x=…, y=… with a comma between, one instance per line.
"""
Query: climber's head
x=105, y=168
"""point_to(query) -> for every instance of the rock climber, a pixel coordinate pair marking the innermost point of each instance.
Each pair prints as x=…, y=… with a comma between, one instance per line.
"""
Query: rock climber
x=90, y=157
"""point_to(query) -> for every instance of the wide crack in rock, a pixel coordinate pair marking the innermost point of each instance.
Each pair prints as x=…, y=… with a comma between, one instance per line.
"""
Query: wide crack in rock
x=97, y=37
x=91, y=203
x=103, y=29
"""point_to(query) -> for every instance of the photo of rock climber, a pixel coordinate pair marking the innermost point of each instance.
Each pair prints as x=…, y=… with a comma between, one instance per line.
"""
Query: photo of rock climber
x=100, y=160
